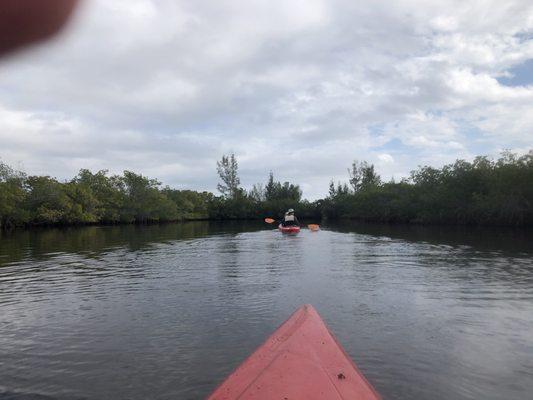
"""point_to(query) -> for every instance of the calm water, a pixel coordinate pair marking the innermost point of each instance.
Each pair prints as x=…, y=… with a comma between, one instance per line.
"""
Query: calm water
x=166, y=312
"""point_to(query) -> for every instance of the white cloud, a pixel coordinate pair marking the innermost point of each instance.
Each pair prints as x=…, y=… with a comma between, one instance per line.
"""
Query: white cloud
x=300, y=88
x=385, y=158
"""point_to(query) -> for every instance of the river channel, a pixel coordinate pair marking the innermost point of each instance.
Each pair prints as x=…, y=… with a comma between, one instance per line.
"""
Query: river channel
x=167, y=311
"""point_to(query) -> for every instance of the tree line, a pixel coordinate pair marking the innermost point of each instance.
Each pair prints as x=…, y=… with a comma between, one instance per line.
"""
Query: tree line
x=102, y=198
x=482, y=192
x=270, y=199
x=91, y=198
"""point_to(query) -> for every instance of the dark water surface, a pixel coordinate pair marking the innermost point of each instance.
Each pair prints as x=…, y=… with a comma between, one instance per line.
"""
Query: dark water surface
x=166, y=312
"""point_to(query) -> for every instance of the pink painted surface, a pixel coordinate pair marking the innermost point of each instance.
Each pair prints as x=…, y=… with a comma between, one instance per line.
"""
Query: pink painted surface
x=302, y=360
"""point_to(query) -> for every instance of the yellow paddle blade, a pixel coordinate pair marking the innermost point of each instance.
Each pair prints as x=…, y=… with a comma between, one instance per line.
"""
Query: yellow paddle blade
x=313, y=227
x=269, y=220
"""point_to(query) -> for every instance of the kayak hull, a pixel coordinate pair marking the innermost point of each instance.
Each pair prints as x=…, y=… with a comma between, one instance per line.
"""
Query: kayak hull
x=302, y=360
x=289, y=229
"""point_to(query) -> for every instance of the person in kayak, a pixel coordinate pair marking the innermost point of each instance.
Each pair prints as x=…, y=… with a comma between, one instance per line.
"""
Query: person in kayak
x=290, y=219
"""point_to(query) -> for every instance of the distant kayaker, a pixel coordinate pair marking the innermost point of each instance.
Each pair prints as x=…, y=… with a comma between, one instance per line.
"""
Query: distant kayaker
x=290, y=219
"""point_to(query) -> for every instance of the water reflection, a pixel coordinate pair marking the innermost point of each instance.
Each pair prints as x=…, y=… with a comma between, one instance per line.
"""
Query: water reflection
x=42, y=243
x=501, y=239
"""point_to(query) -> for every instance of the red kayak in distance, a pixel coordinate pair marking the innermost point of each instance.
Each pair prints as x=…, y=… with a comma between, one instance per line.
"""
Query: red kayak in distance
x=289, y=229
x=302, y=360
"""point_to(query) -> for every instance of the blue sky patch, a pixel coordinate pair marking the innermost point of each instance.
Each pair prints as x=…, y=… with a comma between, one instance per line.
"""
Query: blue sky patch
x=521, y=75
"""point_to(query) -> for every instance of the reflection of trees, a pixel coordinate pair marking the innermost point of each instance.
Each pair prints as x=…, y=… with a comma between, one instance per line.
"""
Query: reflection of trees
x=489, y=254
x=41, y=243
x=479, y=238
x=228, y=253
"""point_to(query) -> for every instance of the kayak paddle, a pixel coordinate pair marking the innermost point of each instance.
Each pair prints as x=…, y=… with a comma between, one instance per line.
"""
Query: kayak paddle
x=313, y=227
x=270, y=220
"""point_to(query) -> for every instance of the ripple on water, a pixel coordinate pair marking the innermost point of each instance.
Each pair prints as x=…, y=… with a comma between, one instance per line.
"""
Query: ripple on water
x=171, y=316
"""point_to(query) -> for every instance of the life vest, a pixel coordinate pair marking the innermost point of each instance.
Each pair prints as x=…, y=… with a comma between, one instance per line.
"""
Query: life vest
x=289, y=218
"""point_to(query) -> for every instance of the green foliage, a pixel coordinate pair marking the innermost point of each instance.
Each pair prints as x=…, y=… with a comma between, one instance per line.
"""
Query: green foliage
x=144, y=202
x=258, y=193
x=271, y=200
x=275, y=191
x=362, y=176
x=478, y=192
x=12, y=195
x=241, y=206
x=227, y=169
x=279, y=197
x=369, y=177
x=108, y=194
x=87, y=199
x=190, y=204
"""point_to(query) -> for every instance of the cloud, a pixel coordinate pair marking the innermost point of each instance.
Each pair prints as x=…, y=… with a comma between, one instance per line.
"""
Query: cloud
x=299, y=88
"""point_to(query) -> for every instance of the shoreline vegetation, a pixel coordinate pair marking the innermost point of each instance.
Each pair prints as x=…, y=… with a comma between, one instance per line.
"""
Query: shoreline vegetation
x=481, y=192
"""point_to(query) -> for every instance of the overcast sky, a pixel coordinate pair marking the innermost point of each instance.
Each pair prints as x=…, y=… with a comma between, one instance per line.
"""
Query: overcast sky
x=301, y=88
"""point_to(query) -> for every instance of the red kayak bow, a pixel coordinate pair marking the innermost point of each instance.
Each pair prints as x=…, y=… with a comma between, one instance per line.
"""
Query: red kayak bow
x=302, y=360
